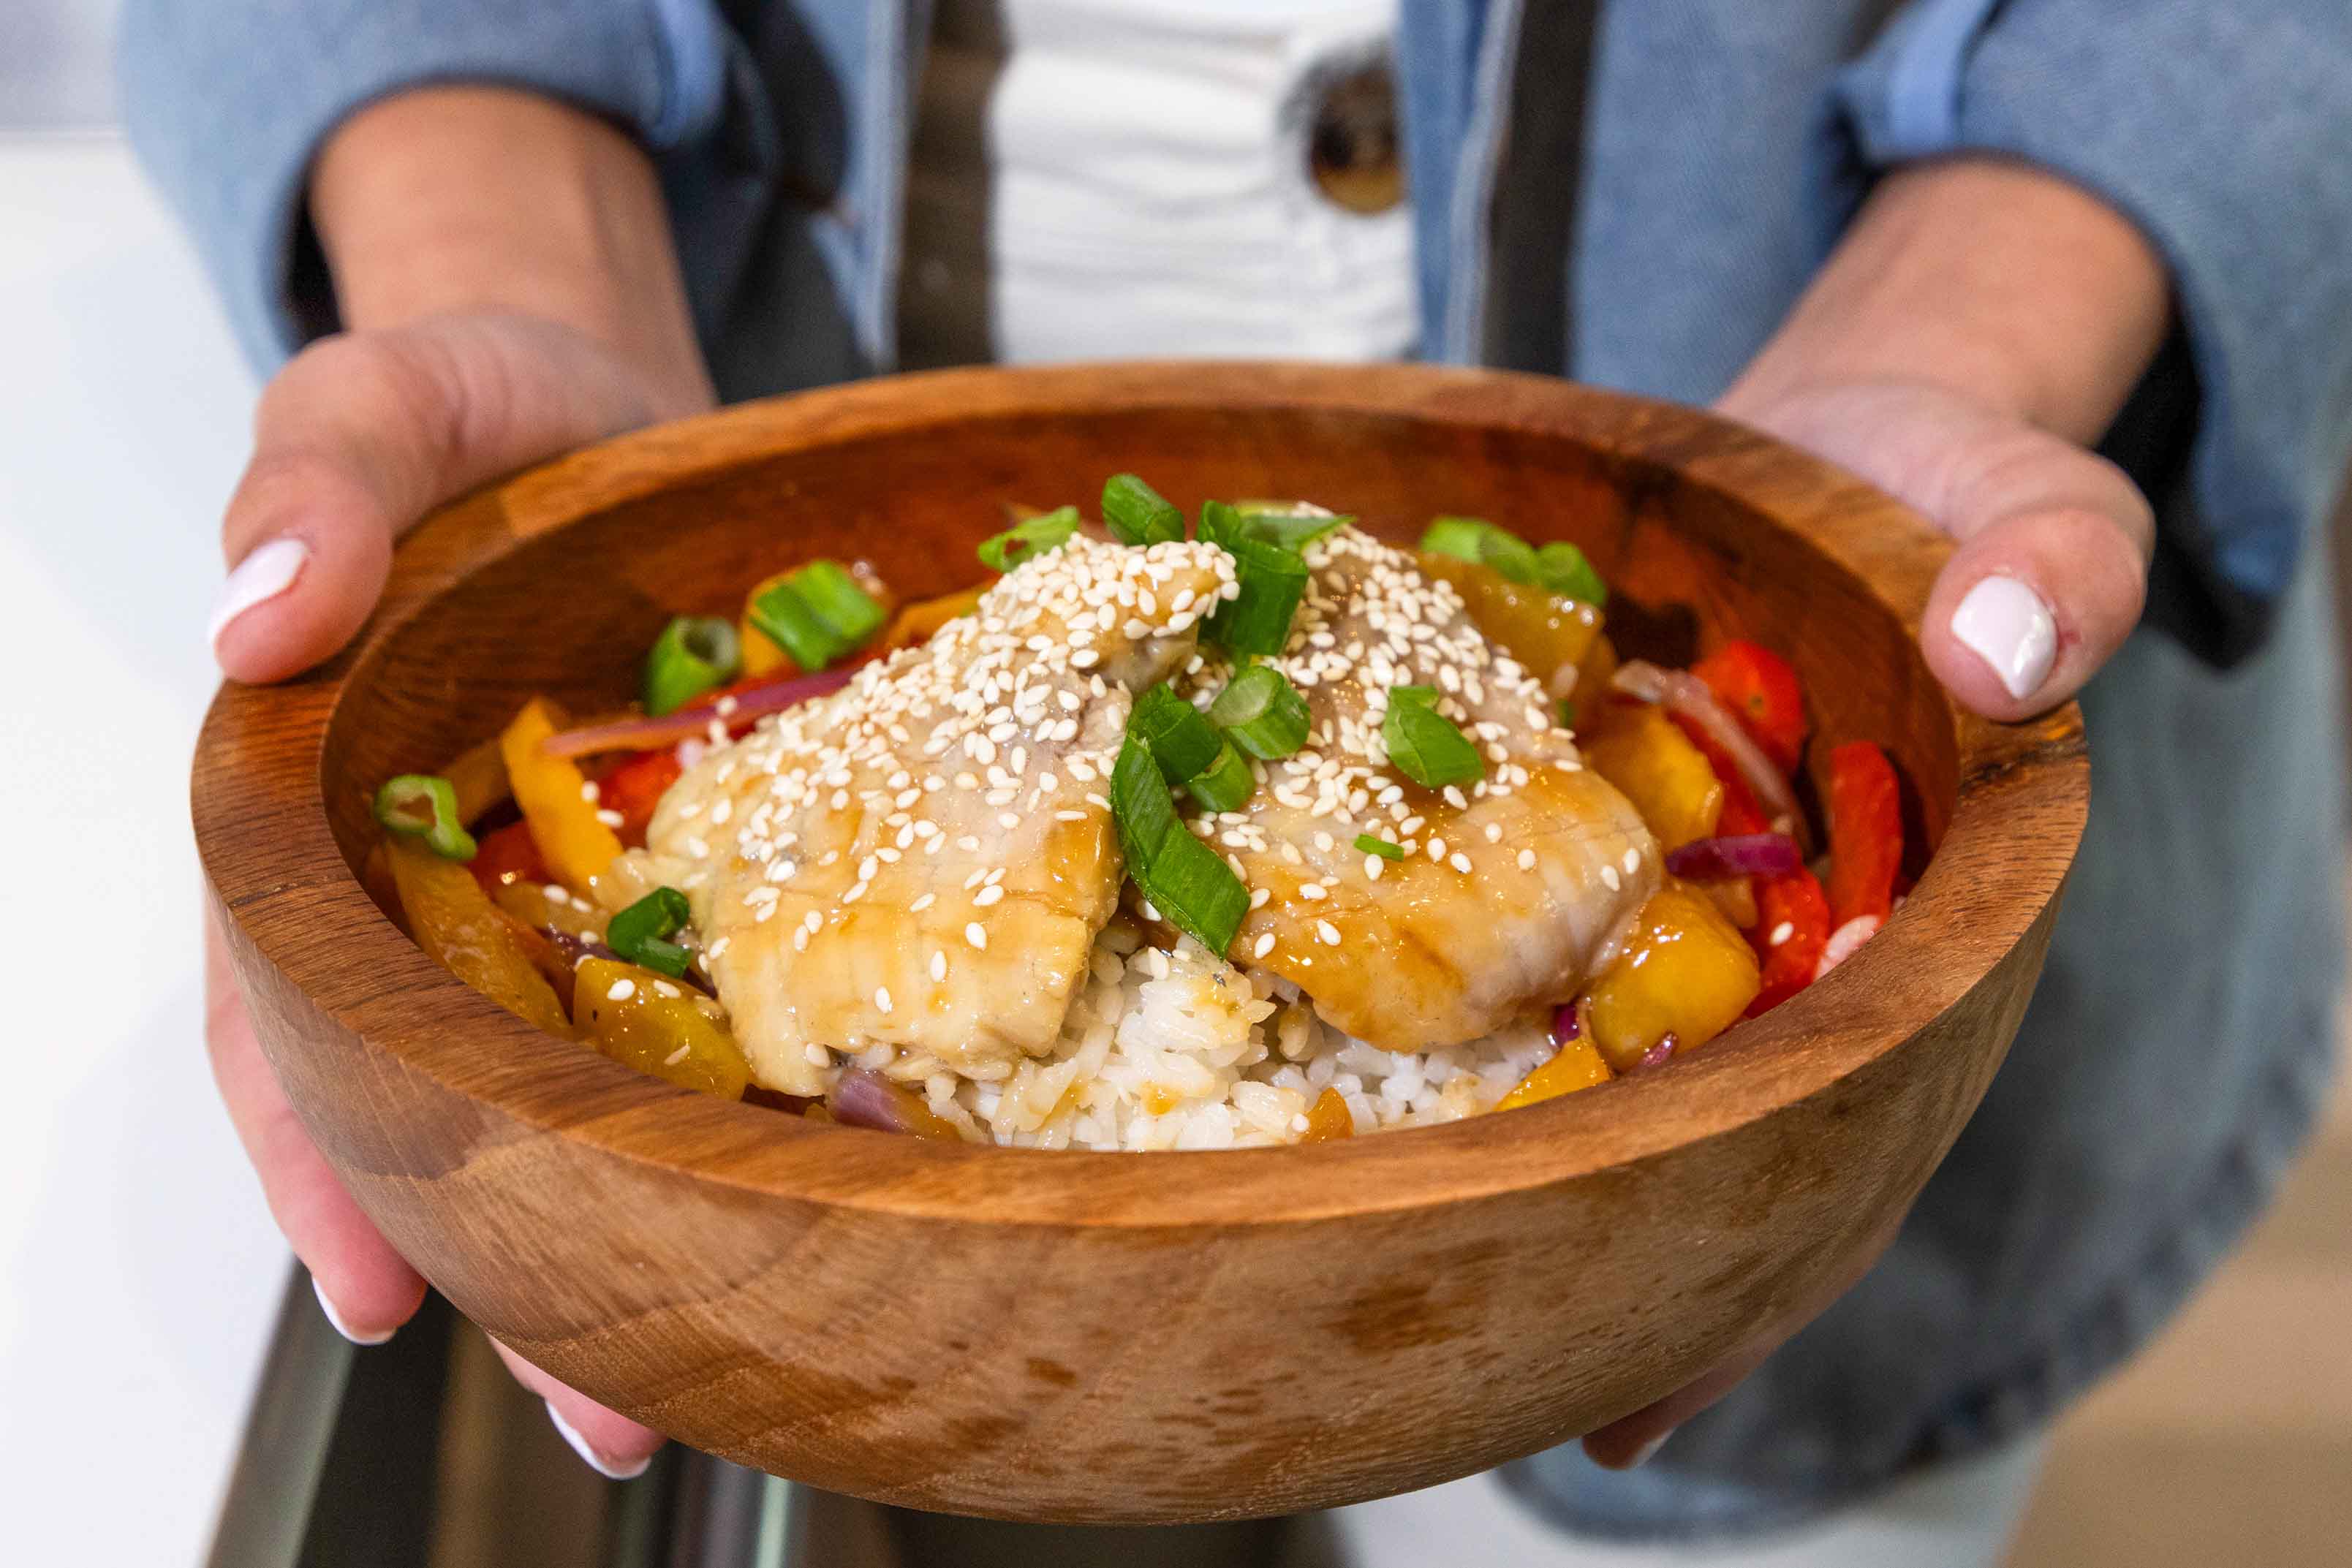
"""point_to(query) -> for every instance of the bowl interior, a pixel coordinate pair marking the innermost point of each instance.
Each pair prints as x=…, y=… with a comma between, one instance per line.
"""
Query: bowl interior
x=568, y=611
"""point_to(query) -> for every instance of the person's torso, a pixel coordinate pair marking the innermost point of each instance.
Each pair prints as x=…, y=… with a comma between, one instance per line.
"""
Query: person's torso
x=1140, y=179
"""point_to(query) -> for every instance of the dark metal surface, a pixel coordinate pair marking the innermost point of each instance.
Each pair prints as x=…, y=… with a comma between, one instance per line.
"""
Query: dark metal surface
x=422, y=1453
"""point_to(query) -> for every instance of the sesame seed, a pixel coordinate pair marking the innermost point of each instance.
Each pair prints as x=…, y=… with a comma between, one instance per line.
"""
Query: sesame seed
x=1526, y=860
x=609, y=817
x=590, y=791
x=663, y=988
x=976, y=936
x=1494, y=832
x=1781, y=933
x=938, y=967
x=818, y=1055
x=1632, y=860
x=675, y=1057
x=882, y=999
x=986, y=896
x=1264, y=946
x=1372, y=864
x=1310, y=890
x=922, y=903
x=622, y=989
x=1610, y=879
x=1259, y=895
x=1327, y=932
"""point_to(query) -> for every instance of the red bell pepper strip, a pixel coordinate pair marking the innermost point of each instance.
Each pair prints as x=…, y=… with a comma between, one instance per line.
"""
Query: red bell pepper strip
x=633, y=787
x=1762, y=692
x=506, y=856
x=1741, y=814
x=1865, y=813
x=1794, y=909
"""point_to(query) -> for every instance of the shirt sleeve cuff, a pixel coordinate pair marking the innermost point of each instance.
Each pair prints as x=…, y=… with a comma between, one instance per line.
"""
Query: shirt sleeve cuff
x=229, y=101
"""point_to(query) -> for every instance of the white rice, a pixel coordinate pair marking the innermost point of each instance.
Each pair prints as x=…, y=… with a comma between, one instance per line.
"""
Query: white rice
x=1175, y=1051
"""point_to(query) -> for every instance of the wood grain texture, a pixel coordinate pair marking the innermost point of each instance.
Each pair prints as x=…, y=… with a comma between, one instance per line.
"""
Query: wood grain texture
x=1119, y=1337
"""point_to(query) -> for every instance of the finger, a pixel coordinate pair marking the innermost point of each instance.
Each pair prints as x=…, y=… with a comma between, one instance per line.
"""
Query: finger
x=367, y=1288
x=360, y=436
x=1631, y=1440
x=611, y=1443
x=2051, y=569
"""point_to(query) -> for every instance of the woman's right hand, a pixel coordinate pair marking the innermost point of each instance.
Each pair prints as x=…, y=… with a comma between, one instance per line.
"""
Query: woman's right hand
x=505, y=265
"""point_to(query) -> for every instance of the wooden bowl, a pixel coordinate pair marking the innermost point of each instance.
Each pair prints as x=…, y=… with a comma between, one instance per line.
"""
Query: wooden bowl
x=1121, y=1337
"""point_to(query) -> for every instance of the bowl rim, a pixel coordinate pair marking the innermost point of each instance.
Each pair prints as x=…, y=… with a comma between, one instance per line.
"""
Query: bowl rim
x=2021, y=801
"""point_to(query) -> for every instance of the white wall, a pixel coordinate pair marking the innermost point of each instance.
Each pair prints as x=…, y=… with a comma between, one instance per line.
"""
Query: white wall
x=139, y=1273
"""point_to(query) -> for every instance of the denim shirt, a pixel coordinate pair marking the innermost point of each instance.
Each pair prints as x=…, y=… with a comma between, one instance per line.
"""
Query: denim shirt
x=2176, y=1048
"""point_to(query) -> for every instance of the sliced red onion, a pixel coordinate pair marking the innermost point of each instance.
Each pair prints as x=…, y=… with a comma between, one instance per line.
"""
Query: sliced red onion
x=1735, y=854
x=1567, y=1022
x=862, y=1098
x=740, y=708
x=1658, y=1055
x=1844, y=940
x=1681, y=692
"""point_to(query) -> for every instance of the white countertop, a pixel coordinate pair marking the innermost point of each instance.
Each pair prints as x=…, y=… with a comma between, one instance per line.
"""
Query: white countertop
x=139, y=1271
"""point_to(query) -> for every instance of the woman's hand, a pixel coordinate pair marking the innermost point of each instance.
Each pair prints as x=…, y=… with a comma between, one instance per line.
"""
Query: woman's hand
x=504, y=264
x=1980, y=324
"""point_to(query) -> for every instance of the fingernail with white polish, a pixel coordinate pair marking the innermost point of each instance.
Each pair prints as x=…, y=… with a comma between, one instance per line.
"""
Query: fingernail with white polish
x=2007, y=625
x=341, y=1327
x=269, y=570
x=595, y=1462
x=1649, y=1450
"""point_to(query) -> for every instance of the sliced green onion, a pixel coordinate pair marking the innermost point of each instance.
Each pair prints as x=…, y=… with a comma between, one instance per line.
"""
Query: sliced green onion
x=636, y=932
x=817, y=615
x=1136, y=514
x=693, y=654
x=1424, y=743
x=1029, y=539
x=1225, y=784
x=1220, y=523
x=1561, y=567
x=1381, y=847
x=425, y=806
x=1461, y=538
x=1260, y=713
x=1567, y=712
x=1475, y=538
x=1181, y=741
x=1558, y=567
x=1184, y=879
x=1294, y=525
x=1273, y=580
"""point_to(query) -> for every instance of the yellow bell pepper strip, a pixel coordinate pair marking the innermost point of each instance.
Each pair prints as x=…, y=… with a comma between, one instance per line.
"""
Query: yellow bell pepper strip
x=460, y=929
x=552, y=791
x=1328, y=1119
x=479, y=778
x=1545, y=633
x=1684, y=976
x=1577, y=1064
x=919, y=622
x=658, y=1026
x=1654, y=765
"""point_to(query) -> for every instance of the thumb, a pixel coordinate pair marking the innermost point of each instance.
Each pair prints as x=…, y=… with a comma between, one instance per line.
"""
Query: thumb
x=2051, y=569
x=360, y=435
